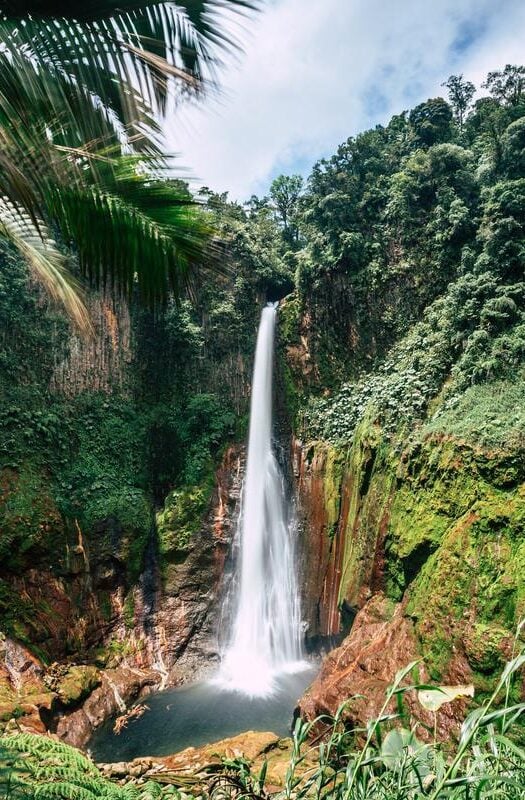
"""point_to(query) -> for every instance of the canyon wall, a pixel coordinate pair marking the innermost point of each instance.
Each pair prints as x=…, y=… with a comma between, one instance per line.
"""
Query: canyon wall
x=119, y=487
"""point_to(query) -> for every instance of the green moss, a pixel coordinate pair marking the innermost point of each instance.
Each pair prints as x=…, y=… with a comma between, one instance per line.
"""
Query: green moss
x=29, y=519
x=438, y=484
x=357, y=491
x=105, y=606
x=290, y=313
x=441, y=594
x=181, y=518
x=16, y=612
x=485, y=647
x=129, y=611
x=77, y=684
x=333, y=473
x=475, y=574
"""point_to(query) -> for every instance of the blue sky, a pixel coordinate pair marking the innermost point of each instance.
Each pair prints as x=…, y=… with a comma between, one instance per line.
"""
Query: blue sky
x=314, y=72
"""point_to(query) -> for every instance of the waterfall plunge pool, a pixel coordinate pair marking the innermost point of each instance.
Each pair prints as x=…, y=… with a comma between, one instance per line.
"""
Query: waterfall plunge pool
x=262, y=674
x=200, y=714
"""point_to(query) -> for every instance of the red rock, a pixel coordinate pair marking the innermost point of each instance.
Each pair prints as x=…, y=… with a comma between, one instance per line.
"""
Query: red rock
x=382, y=642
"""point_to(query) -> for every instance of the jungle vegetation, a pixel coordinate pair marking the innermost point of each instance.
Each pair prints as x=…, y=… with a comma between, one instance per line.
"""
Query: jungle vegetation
x=83, y=92
x=400, y=263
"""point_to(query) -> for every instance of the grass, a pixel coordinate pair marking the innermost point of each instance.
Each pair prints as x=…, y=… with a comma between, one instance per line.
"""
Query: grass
x=489, y=414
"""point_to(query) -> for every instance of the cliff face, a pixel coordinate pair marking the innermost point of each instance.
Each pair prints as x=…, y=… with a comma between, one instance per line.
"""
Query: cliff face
x=344, y=498
x=424, y=543
x=119, y=486
x=119, y=634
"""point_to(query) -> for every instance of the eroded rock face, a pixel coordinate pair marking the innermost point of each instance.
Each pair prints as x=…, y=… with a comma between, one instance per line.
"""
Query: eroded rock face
x=181, y=615
x=437, y=528
x=359, y=672
x=159, y=632
x=115, y=690
x=344, y=505
x=69, y=700
x=22, y=689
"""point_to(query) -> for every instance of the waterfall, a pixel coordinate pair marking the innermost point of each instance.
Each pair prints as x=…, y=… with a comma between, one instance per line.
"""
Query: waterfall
x=265, y=635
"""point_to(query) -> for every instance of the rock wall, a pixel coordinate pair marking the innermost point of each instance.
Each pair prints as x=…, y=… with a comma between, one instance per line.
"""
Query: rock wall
x=345, y=496
x=425, y=544
x=119, y=486
x=184, y=618
x=115, y=637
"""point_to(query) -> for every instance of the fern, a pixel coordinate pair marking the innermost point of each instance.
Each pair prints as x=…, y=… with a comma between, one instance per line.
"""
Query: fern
x=42, y=768
x=65, y=789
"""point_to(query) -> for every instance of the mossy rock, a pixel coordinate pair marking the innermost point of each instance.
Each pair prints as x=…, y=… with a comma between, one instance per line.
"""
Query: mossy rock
x=77, y=684
x=476, y=573
x=487, y=647
x=181, y=518
x=32, y=528
x=10, y=711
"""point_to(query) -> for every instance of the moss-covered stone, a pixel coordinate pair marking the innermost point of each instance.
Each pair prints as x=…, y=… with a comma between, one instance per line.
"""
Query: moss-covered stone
x=77, y=684
x=487, y=646
x=334, y=470
x=29, y=519
x=181, y=517
x=440, y=524
x=474, y=576
x=367, y=488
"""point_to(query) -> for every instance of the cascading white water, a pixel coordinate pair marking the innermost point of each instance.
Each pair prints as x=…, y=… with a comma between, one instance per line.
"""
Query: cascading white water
x=265, y=637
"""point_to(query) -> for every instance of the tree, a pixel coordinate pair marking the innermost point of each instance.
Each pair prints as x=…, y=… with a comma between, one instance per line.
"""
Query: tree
x=256, y=204
x=81, y=96
x=460, y=94
x=513, y=146
x=431, y=121
x=285, y=192
x=507, y=85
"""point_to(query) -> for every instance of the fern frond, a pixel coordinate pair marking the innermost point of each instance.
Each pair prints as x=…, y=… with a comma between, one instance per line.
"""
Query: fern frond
x=62, y=791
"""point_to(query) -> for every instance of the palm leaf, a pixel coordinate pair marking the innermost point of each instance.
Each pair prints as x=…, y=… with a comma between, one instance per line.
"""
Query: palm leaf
x=48, y=264
x=81, y=90
x=130, y=246
x=123, y=52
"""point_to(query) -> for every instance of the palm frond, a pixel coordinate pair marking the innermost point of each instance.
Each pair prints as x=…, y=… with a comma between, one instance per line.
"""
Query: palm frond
x=82, y=87
x=147, y=235
x=124, y=53
x=45, y=260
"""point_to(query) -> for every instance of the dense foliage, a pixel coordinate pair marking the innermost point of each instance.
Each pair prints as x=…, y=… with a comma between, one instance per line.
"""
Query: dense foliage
x=400, y=264
x=141, y=420
x=411, y=273
x=82, y=94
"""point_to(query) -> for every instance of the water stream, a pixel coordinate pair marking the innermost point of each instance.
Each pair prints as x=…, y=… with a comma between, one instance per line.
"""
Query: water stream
x=265, y=637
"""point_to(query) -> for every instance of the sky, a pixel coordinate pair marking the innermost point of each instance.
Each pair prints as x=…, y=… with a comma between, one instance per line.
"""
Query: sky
x=314, y=72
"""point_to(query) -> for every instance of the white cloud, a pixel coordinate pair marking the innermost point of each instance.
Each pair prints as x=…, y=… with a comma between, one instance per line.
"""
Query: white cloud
x=316, y=72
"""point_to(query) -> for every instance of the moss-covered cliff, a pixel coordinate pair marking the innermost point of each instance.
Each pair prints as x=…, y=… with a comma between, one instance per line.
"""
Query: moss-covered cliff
x=403, y=349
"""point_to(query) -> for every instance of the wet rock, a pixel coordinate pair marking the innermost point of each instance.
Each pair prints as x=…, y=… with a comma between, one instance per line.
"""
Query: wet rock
x=255, y=746
x=77, y=684
x=116, y=688
x=23, y=670
x=359, y=672
x=185, y=620
x=22, y=690
x=118, y=770
x=74, y=728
